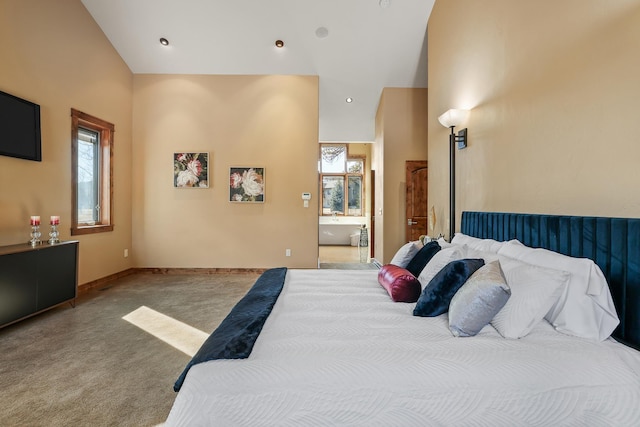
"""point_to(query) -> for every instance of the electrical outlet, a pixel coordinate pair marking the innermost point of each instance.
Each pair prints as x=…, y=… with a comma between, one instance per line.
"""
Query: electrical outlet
x=287, y=252
x=126, y=253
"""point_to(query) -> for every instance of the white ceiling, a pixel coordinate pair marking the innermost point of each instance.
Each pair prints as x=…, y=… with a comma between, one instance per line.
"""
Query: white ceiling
x=368, y=46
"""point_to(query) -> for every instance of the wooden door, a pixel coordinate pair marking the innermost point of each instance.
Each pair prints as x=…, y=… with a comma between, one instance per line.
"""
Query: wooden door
x=416, y=200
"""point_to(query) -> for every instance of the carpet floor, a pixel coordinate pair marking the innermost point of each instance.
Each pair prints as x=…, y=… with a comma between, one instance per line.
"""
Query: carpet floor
x=87, y=366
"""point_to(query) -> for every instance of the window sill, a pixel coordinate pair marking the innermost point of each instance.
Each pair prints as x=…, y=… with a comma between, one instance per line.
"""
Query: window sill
x=91, y=229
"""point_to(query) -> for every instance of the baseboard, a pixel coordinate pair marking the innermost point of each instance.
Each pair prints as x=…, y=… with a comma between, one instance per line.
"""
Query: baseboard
x=85, y=287
x=156, y=270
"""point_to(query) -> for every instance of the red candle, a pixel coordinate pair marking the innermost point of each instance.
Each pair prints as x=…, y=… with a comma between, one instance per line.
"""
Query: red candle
x=35, y=220
x=55, y=220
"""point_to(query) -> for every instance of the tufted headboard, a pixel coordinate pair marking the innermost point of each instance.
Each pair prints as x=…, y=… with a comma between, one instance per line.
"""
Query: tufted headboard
x=613, y=243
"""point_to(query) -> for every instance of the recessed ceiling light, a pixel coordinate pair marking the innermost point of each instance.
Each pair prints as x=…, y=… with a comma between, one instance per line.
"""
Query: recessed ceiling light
x=322, y=32
x=385, y=3
x=279, y=43
x=164, y=42
x=349, y=100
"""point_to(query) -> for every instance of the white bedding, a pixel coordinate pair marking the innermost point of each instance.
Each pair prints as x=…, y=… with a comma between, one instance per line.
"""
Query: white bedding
x=336, y=351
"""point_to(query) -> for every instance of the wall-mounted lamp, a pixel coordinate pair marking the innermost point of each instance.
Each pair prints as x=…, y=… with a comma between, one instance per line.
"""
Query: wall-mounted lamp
x=453, y=118
x=450, y=119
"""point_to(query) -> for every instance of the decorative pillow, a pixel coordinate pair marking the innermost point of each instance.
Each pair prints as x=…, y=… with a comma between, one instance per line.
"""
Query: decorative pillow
x=585, y=308
x=423, y=256
x=401, y=285
x=478, y=300
x=435, y=298
x=424, y=239
x=487, y=245
x=406, y=254
x=443, y=243
x=533, y=291
x=437, y=263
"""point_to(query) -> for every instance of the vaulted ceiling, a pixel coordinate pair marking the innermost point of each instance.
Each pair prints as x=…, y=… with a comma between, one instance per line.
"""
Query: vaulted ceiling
x=356, y=47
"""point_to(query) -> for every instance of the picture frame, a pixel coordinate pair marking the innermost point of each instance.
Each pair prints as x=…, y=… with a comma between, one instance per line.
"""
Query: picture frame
x=246, y=184
x=191, y=170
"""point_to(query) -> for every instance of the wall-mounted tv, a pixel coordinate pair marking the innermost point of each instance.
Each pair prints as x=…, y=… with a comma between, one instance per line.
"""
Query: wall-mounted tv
x=19, y=128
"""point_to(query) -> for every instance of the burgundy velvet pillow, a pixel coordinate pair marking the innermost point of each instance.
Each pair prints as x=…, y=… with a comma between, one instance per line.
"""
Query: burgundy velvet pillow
x=401, y=285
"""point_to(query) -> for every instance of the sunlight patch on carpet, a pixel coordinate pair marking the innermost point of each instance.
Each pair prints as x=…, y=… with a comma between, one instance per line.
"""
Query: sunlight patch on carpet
x=185, y=338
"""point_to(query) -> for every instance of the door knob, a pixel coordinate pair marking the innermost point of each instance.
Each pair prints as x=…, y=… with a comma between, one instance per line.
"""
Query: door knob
x=411, y=222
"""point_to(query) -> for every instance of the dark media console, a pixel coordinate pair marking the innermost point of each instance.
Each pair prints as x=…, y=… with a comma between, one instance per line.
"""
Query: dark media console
x=35, y=279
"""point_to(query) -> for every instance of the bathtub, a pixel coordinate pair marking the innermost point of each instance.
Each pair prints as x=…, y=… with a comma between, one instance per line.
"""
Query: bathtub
x=338, y=230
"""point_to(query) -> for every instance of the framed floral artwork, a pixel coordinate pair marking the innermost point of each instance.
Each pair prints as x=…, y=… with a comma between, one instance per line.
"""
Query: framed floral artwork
x=191, y=170
x=246, y=185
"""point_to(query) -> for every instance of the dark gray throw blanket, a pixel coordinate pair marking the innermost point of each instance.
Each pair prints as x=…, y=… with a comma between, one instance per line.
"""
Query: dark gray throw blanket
x=236, y=335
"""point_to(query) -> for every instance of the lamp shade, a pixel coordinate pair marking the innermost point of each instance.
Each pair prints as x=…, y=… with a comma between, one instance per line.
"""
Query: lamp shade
x=453, y=118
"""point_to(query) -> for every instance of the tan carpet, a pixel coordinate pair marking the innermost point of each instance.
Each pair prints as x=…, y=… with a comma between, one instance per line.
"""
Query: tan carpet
x=87, y=366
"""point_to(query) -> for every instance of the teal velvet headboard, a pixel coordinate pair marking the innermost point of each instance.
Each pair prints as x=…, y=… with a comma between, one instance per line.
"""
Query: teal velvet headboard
x=613, y=243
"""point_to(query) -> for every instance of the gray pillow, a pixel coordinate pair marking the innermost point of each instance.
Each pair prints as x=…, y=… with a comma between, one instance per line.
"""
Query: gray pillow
x=480, y=298
x=406, y=253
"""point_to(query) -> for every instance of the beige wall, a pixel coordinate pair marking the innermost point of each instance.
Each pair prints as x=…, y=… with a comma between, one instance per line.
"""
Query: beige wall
x=265, y=121
x=553, y=89
x=52, y=53
x=401, y=135
x=377, y=164
x=55, y=55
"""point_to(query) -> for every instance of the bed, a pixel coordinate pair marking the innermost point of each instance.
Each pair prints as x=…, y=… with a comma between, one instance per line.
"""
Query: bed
x=332, y=347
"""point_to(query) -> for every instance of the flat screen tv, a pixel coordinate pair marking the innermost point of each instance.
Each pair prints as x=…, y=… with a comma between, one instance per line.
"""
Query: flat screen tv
x=19, y=128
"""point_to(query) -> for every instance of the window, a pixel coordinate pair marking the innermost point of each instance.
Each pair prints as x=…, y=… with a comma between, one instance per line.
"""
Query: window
x=92, y=174
x=341, y=181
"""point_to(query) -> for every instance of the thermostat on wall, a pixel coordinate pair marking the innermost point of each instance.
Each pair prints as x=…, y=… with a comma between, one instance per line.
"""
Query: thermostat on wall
x=306, y=197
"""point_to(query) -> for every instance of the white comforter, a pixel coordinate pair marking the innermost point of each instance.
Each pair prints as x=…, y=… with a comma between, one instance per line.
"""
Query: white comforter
x=336, y=351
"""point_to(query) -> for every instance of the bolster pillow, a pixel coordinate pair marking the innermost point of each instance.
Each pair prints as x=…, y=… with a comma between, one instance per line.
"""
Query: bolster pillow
x=401, y=285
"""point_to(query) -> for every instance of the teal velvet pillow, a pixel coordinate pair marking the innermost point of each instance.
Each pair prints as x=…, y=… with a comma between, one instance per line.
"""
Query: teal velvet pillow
x=436, y=296
x=423, y=256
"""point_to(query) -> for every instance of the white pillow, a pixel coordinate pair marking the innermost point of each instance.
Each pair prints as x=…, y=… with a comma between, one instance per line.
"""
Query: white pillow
x=585, y=308
x=437, y=263
x=533, y=291
x=443, y=243
x=487, y=245
x=406, y=253
x=486, y=256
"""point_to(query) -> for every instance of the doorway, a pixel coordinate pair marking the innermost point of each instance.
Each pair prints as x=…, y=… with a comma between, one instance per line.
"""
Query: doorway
x=344, y=216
